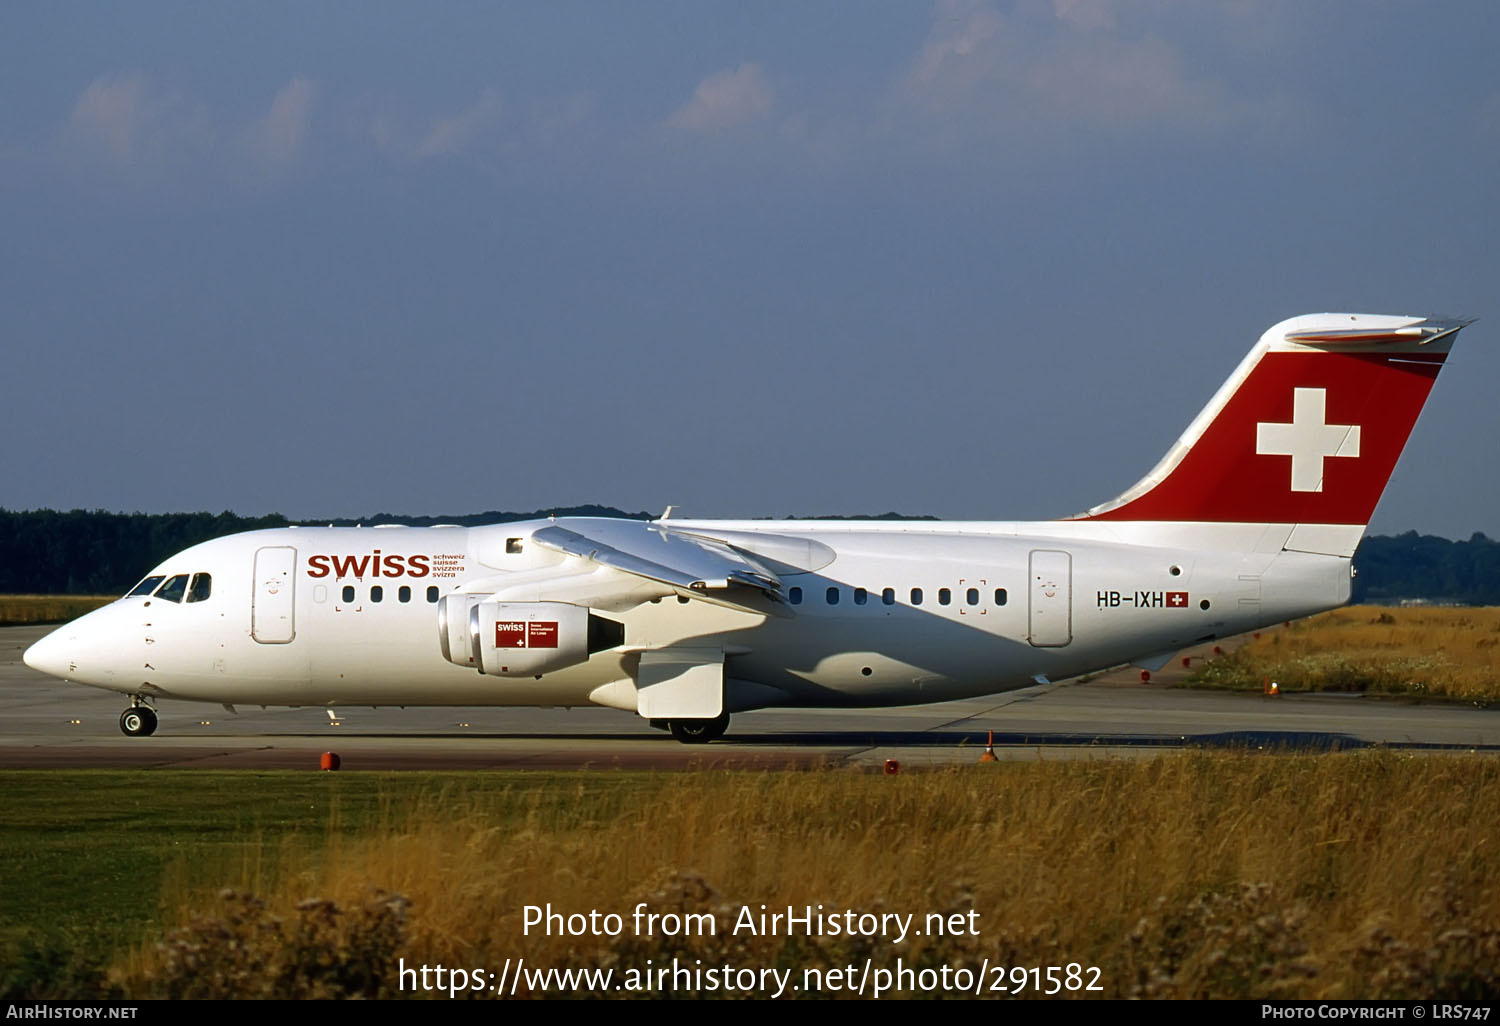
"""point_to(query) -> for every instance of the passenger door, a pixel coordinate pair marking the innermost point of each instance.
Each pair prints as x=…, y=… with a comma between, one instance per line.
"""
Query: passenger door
x=272, y=602
x=1051, y=623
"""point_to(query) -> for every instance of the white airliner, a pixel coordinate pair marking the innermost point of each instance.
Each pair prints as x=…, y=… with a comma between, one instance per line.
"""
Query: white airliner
x=1249, y=520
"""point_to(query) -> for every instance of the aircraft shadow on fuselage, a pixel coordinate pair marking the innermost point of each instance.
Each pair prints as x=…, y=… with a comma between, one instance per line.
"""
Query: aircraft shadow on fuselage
x=801, y=651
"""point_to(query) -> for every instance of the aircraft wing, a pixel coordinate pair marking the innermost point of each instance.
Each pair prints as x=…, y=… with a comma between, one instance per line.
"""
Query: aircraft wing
x=696, y=566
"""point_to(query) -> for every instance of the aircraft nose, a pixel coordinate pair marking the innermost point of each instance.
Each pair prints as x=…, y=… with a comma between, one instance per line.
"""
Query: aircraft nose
x=50, y=654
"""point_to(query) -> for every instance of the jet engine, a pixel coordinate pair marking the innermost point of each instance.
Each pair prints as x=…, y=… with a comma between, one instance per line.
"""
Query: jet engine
x=521, y=639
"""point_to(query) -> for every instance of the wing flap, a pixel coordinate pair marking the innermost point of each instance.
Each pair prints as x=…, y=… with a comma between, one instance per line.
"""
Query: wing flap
x=695, y=566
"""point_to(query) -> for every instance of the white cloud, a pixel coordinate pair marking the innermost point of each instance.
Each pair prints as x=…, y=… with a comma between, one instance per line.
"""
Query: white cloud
x=726, y=99
x=1116, y=83
x=1037, y=70
x=1089, y=14
x=457, y=132
x=110, y=112
x=135, y=125
x=278, y=137
x=962, y=49
x=407, y=136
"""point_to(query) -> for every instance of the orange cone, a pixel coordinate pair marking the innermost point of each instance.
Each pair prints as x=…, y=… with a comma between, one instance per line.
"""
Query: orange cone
x=989, y=750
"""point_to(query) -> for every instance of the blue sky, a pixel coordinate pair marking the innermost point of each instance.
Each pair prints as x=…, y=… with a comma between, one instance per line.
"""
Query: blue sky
x=978, y=260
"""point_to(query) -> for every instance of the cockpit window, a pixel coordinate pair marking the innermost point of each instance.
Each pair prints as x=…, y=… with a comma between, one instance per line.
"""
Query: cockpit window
x=173, y=590
x=147, y=586
x=203, y=586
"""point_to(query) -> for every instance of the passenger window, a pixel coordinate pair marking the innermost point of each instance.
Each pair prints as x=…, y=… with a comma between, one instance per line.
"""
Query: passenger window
x=944, y=596
x=202, y=587
x=888, y=596
x=916, y=596
x=348, y=593
x=432, y=593
x=377, y=593
x=147, y=586
x=833, y=596
x=861, y=596
x=174, y=589
x=794, y=596
x=972, y=597
x=405, y=593
x=1000, y=596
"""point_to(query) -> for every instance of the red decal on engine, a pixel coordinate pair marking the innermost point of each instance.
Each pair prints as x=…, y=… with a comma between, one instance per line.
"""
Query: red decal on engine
x=541, y=634
x=510, y=634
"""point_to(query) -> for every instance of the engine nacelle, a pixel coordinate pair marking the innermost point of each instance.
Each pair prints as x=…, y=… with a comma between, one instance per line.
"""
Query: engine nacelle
x=521, y=639
x=453, y=628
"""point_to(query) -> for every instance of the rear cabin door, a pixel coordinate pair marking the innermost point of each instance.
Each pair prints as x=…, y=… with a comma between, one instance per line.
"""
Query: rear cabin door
x=1051, y=598
x=271, y=604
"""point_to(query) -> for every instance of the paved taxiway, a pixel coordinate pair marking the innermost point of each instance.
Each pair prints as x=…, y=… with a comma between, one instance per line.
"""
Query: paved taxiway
x=51, y=723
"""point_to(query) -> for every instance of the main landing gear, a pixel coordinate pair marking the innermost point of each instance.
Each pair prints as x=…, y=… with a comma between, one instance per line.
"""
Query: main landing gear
x=699, y=732
x=138, y=721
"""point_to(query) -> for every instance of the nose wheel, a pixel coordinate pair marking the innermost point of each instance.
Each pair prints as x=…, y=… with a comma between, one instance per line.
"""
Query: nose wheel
x=138, y=721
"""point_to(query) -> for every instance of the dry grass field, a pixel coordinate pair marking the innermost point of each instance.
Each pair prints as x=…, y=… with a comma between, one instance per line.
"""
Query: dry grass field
x=1194, y=875
x=1422, y=651
x=18, y=610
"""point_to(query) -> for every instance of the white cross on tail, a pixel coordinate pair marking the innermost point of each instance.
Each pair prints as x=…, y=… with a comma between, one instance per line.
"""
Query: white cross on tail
x=1308, y=439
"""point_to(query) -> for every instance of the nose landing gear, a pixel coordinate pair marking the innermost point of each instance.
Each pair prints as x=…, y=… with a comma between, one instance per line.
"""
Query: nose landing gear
x=138, y=721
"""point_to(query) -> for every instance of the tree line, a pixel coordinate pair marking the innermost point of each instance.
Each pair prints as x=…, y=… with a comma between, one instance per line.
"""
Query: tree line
x=90, y=552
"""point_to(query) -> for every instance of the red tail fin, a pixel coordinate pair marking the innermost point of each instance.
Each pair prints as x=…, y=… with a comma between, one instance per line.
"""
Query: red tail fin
x=1306, y=431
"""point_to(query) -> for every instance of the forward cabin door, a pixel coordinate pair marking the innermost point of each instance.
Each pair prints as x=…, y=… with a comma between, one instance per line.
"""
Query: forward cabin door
x=271, y=602
x=1051, y=598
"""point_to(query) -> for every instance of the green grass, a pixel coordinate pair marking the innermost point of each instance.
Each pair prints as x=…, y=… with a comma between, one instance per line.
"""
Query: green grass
x=1360, y=875
x=85, y=853
x=1420, y=652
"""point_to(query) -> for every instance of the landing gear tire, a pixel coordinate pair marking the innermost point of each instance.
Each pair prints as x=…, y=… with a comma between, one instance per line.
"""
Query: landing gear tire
x=700, y=732
x=138, y=721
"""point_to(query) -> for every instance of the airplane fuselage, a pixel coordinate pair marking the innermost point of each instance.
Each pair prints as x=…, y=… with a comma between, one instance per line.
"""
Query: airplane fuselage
x=1250, y=519
x=896, y=614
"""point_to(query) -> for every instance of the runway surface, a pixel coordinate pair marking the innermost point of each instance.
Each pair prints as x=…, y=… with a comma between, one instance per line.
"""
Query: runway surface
x=50, y=723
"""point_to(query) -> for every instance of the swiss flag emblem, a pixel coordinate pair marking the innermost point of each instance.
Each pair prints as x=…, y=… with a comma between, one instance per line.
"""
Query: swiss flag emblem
x=1307, y=437
x=1177, y=599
